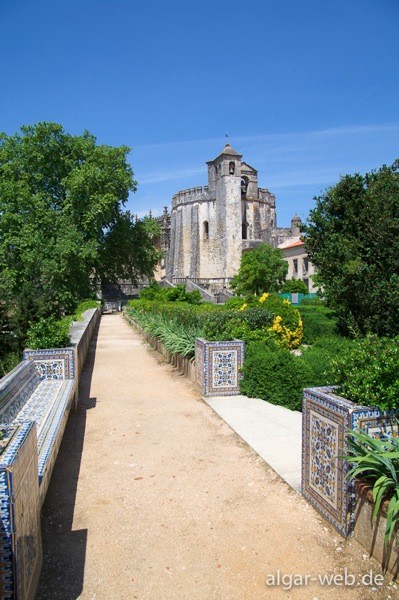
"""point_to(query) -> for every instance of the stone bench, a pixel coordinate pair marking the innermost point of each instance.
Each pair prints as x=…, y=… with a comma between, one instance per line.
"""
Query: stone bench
x=41, y=389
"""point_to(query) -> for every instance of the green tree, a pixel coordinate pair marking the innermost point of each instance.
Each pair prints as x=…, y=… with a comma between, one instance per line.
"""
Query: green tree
x=294, y=286
x=61, y=200
x=136, y=255
x=352, y=238
x=261, y=270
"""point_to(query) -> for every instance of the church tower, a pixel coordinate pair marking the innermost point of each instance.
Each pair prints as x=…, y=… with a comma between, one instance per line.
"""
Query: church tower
x=211, y=226
x=224, y=184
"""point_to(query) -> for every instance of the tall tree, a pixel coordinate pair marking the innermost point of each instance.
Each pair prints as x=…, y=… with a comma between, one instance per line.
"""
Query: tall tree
x=61, y=199
x=261, y=270
x=352, y=238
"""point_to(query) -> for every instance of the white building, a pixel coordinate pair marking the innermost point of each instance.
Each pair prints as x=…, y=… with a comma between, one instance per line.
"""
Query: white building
x=299, y=266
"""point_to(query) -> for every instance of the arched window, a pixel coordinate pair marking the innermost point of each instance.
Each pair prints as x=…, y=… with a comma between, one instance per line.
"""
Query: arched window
x=206, y=230
x=232, y=167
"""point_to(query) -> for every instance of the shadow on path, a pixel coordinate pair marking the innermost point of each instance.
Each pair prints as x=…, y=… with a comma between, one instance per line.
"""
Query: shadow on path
x=64, y=550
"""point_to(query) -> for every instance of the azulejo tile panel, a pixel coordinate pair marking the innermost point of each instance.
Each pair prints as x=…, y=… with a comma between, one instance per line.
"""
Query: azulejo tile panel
x=326, y=421
x=54, y=363
x=20, y=539
x=218, y=366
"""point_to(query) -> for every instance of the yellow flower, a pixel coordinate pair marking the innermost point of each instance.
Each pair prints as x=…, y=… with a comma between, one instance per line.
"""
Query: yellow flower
x=286, y=301
x=244, y=306
x=264, y=297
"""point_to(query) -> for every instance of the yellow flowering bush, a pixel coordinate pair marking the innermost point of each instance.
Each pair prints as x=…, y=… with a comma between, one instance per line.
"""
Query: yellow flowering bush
x=244, y=306
x=264, y=297
x=286, y=337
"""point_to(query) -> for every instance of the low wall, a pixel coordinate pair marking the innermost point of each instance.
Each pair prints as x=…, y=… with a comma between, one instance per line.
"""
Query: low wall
x=81, y=334
x=20, y=496
x=185, y=366
x=371, y=535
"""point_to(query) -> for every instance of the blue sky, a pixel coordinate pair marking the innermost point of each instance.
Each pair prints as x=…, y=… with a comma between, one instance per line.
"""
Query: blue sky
x=308, y=90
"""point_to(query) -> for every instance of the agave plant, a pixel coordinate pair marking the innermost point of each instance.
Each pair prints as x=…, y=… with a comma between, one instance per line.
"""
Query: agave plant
x=377, y=460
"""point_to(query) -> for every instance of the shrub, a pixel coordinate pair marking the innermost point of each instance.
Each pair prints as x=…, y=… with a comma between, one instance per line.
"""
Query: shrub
x=320, y=356
x=250, y=324
x=83, y=306
x=8, y=362
x=294, y=286
x=318, y=321
x=49, y=333
x=368, y=372
x=275, y=375
x=283, y=321
x=173, y=294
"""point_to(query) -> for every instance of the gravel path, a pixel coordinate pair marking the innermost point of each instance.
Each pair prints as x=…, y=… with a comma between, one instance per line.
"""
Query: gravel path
x=154, y=496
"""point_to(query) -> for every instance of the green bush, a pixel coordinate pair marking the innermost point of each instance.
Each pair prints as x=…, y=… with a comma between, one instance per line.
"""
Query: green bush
x=320, y=356
x=368, y=372
x=49, y=333
x=274, y=374
x=294, y=286
x=8, y=362
x=83, y=306
x=173, y=294
x=248, y=325
x=318, y=321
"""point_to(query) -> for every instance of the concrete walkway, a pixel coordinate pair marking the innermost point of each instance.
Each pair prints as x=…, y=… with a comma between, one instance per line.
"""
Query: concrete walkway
x=274, y=432
x=155, y=497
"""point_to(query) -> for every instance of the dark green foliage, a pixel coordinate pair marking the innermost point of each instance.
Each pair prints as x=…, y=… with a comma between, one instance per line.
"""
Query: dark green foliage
x=83, y=306
x=318, y=321
x=274, y=374
x=49, y=333
x=352, y=238
x=247, y=325
x=175, y=294
x=8, y=361
x=368, y=372
x=294, y=286
x=61, y=207
x=261, y=270
x=321, y=355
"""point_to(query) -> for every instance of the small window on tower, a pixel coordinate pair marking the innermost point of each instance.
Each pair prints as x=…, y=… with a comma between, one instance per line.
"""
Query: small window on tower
x=206, y=230
x=232, y=167
x=244, y=186
x=245, y=231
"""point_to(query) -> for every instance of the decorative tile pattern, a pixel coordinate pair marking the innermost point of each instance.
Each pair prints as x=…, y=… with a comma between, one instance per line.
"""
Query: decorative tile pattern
x=15, y=390
x=53, y=363
x=224, y=368
x=20, y=539
x=218, y=366
x=326, y=421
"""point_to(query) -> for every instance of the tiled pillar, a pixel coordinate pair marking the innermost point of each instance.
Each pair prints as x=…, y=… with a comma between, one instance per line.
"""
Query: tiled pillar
x=326, y=420
x=20, y=538
x=217, y=366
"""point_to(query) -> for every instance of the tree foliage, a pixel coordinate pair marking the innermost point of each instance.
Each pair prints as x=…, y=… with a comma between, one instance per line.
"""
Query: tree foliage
x=352, y=238
x=61, y=206
x=261, y=270
x=294, y=286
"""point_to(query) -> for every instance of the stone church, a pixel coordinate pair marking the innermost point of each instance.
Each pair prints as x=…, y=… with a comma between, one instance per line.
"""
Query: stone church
x=210, y=227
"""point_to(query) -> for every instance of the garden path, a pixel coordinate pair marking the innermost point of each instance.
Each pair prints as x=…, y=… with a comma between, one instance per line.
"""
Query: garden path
x=154, y=496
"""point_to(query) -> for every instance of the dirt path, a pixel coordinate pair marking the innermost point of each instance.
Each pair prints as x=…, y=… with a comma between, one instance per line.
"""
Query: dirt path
x=154, y=496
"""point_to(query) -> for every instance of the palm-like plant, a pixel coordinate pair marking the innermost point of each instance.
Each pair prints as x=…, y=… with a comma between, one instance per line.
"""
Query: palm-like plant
x=377, y=460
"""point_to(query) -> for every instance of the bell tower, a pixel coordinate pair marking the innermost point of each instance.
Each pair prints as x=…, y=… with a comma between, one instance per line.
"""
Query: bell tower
x=224, y=181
